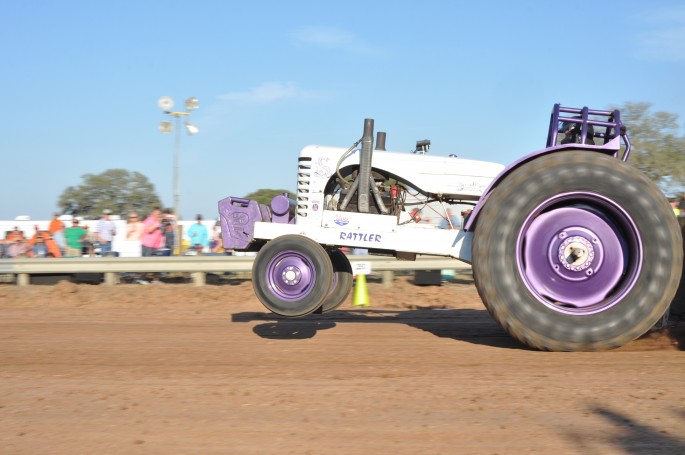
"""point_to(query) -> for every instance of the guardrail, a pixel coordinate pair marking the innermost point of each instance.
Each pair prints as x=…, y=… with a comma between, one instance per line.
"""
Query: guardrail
x=197, y=266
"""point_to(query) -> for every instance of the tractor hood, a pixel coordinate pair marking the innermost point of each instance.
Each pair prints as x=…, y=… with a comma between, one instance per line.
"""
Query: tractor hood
x=440, y=175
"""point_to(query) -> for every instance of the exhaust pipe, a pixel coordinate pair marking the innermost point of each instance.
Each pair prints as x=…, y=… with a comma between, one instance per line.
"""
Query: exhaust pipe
x=380, y=141
x=365, y=167
x=364, y=181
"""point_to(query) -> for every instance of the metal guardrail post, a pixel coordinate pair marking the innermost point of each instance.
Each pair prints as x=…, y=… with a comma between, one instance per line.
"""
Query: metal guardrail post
x=199, y=278
x=388, y=278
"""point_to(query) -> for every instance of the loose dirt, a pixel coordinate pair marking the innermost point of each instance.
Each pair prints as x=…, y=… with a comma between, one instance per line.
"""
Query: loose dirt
x=179, y=369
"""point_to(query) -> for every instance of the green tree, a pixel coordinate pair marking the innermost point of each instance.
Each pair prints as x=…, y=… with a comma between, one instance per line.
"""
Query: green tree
x=118, y=190
x=264, y=196
x=658, y=149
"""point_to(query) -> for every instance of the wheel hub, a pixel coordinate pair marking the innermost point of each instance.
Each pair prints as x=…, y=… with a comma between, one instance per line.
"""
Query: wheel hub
x=291, y=275
x=566, y=260
x=575, y=253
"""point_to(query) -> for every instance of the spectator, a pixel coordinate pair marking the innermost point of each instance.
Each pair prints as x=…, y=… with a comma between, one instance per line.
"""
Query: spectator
x=16, y=247
x=56, y=229
x=42, y=245
x=134, y=228
x=105, y=230
x=216, y=244
x=199, y=238
x=37, y=247
x=168, y=232
x=15, y=243
x=152, y=239
x=54, y=250
x=89, y=242
x=451, y=221
x=75, y=237
x=14, y=234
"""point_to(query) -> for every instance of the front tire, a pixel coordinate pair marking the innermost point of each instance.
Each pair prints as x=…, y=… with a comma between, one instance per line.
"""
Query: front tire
x=342, y=281
x=292, y=275
x=576, y=251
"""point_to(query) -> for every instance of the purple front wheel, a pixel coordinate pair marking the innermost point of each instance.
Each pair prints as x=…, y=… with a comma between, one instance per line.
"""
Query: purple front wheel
x=342, y=281
x=292, y=275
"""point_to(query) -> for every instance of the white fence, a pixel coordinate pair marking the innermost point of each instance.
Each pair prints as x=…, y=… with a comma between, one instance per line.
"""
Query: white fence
x=197, y=266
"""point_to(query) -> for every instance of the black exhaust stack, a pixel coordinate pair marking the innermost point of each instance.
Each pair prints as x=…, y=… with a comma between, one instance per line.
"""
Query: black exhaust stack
x=364, y=181
x=380, y=141
x=365, y=156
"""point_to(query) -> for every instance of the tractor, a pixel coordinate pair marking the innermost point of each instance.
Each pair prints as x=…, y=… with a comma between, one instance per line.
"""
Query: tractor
x=571, y=247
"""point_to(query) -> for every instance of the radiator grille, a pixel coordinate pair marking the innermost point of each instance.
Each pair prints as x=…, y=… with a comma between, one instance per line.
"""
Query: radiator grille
x=304, y=173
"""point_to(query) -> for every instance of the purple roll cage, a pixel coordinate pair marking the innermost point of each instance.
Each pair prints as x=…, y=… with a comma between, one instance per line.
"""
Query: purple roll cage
x=612, y=123
x=609, y=120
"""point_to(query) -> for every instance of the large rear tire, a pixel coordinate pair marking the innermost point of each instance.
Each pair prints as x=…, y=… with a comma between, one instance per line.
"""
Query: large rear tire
x=292, y=275
x=577, y=251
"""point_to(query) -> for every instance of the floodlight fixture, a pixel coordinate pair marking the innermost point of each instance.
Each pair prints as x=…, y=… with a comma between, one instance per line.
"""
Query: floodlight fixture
x=165, y=127
x=165, y=103
x=192, y=104
x=192, y=129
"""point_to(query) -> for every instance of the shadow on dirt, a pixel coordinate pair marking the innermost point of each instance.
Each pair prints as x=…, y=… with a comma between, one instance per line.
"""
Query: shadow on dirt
x=676, y=331
x=632, y=437
x=672, y=335
x=471, y=326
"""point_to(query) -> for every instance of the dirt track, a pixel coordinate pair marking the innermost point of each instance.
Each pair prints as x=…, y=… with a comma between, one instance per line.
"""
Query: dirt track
x=177, y=369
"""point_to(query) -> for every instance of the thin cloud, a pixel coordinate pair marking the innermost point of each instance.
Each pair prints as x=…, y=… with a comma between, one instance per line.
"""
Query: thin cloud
x=240, y=107
x=664, y=37
x=270, y=92
x=330, y=38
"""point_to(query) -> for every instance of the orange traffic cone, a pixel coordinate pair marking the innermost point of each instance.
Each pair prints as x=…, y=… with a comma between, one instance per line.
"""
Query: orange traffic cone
x=361, y=294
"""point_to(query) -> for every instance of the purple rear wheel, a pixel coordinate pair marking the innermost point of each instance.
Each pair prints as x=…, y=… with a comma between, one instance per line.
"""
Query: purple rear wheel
x=292, y=275
x=576, y=251
x=579, y=253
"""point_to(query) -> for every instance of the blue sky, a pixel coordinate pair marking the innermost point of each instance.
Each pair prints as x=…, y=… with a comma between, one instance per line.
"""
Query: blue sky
x=81, y=79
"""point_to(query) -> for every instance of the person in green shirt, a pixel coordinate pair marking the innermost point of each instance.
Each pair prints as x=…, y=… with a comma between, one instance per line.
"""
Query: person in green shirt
x=75, y=235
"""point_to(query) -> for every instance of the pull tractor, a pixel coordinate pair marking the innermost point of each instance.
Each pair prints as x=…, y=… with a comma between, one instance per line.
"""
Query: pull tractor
x=572, y=248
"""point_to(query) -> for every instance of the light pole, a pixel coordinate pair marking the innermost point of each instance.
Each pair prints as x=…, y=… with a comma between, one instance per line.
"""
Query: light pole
x=165, y=103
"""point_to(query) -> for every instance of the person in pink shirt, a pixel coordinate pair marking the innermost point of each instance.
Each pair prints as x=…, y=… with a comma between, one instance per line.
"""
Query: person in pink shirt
x=152, y=238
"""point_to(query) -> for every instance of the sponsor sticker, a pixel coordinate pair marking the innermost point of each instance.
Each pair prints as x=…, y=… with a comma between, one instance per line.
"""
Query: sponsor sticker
x=341, y=220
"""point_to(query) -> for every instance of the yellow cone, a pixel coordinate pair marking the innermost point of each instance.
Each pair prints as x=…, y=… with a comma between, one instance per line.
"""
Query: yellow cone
x=361, y=294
